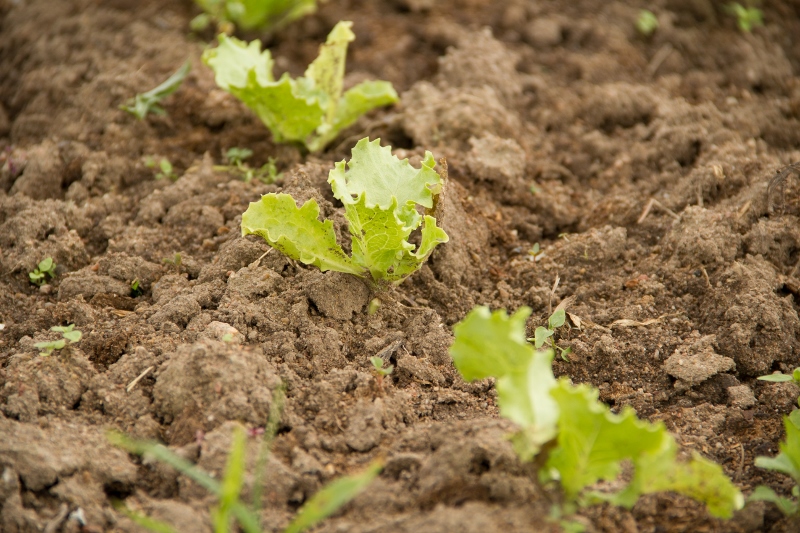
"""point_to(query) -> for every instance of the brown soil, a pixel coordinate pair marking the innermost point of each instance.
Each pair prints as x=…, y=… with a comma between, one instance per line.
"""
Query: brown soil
x=563, y=96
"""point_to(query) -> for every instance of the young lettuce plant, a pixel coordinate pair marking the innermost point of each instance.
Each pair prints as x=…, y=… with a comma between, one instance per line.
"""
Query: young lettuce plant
x=585, y=442
x=310, y=110
x=380, y=194
x=251, y=14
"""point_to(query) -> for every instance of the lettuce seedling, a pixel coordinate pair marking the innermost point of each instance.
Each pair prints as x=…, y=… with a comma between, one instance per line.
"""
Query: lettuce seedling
x=251, y=14
x=586, y=442
x=310, y=110
x=45, y=268
x=145, y=103
x=381, y=194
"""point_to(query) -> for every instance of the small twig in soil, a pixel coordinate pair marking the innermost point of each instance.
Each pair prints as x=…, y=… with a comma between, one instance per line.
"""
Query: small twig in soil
x=745, y=208
x=655, y=203
x=55, y=523
x=258, y=261
x=741, y=463
x=705, y=275
x=553, y=293
x=661, y=56
x=779, y=181
x=133, y=383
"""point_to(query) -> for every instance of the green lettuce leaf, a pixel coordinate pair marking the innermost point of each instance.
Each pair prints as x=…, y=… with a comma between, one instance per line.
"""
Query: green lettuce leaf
x=233, y=61
x=310, y=110
x=383, y=178
x=297, y=232
x=493, y=344
x=658, y=470
x=592, y=441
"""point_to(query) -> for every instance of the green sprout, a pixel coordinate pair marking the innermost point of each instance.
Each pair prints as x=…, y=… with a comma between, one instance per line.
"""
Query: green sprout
x=175, y=261
x=746, y=17
x=136, y=288
x=148, y=102
x=379, y=368
x=544, y=335
x=646, y=23
x=165, y=168
x=267, y=15
x=236, y=157
x=45, y=268
x=69, y=335
x=536, y=252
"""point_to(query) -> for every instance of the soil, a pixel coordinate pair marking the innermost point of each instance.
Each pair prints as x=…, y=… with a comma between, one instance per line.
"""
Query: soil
x=639, y=164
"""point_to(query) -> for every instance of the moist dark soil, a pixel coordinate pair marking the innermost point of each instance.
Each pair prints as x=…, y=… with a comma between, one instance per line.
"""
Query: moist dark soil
x=640, y=165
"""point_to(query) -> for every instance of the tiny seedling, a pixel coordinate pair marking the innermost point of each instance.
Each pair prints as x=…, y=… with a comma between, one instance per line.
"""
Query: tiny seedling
x=747, y=18
x=69, y=335
x=236, y=156
x=582, y=442
x=381, y=195
x=787, y=462
x=373, y=306
x=175, y=261
x=148, y=102
x=164, y=166
x=380, y=370
x=136, y=289
x=536, y=253
x=269, y=15
x=544, y=335
x=309, y=111
x=46, y=268
x=646, y=23
x=267, y=174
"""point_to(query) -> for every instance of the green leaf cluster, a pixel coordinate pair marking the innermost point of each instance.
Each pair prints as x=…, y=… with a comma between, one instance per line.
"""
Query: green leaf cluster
x=45, y=268
x=381, y=196
x=252, y=14
x=746, y=17
x=585, y=441
x=310, y=110
x=144, y=103
x=68, y=335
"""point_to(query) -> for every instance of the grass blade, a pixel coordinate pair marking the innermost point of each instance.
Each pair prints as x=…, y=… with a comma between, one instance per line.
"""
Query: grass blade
x=332, y=497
